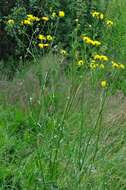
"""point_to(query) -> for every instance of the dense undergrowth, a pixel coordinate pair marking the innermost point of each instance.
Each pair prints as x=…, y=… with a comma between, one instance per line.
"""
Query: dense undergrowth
x=62, y=116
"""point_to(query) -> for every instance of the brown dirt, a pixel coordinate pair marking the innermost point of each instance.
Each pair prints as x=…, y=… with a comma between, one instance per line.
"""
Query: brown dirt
x=115, y=109
x=20, y=92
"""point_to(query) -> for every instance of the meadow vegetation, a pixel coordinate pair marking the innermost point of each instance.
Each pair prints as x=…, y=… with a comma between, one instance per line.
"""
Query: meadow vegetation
x=62, y=96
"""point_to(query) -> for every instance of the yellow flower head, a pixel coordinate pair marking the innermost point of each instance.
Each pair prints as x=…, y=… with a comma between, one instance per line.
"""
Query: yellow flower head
x=96, y=43
x=115, y=65
x=63, y=52
x=61, y=13
x=103, y=83
x=121, y=66
x=10, y=22
x=45, y=18
x=41, y=37
x=46, y=45
x=95, y=14
x=32, y=18
x=41, y=46
x=101, y=16
x=36, y=18
x=26, y=22
x=86, y=39
x=49, y=37
x=80, y=62
x=109, y=23
x=93, y=65
x=101, y=66
x=30, y=15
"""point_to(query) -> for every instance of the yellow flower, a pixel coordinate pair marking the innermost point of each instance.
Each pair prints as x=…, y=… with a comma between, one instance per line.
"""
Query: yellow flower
x=103, y=83
x=115, y=65
x=41, y=37
x=80, y=62
x=121, y=66
x=96, y=43
x=101, y=66
x=36, y=18
x=49, y=37
x=45, y=18
x=101, y=16
x=30, y=15
x=61, y=13
x=10, y=22
x=63, y=52
x=26, y=22
x=109, y=23
x=46, y=45
x=32, y=18
x=104, y=58
x=87, y=39
x=93, y=65
x=95, y=14
x=41, y=46
x=96, y=57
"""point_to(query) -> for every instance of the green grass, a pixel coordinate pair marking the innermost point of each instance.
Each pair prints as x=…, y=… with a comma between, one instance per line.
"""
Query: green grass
x=66, y=140
x=116, y=11
x=64, y=132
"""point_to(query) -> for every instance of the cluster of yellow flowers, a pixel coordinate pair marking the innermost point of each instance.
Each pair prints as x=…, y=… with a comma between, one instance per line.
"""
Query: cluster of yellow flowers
x=94, y=65
x=42, y=45
x=89, y=41
x=43, y=39
x=60, y=14
x=30, y=19
x=97, y=15
x=100, y=16
x=101, y=57
x=54, y=15
x=118, y=65
x=97, y=60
